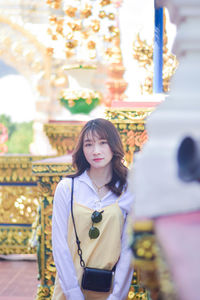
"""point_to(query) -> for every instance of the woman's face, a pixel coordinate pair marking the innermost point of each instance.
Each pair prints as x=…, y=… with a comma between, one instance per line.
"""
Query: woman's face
x=96, y=150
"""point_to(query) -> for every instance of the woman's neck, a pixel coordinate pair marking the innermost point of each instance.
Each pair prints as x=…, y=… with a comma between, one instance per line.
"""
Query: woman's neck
x=100, y=175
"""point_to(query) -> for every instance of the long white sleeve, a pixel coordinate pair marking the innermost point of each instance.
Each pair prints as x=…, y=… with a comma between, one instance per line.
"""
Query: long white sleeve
x=123, y=272
x=61, y=253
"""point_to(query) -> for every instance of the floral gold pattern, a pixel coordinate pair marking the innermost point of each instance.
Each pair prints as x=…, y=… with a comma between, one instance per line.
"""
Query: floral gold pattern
x=63, y=135
x=19, y=200
x=131, y=126
x=144, y=256
x=143, y=53
x=15, y=239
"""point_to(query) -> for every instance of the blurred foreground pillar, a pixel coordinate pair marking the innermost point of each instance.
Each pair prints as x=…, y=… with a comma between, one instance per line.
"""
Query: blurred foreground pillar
x=160, y=196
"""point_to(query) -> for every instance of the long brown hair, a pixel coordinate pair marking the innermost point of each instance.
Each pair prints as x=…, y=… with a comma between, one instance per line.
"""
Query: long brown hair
x=105, y=130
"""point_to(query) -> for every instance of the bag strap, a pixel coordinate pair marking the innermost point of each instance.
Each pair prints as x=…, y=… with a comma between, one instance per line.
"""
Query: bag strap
x=82, y=263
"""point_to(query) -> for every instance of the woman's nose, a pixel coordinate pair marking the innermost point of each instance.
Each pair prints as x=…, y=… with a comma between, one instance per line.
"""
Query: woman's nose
x=96, y=149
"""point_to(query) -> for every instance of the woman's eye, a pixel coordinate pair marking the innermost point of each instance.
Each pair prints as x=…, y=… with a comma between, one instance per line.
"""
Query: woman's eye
x=103, y=142
x=88, y=145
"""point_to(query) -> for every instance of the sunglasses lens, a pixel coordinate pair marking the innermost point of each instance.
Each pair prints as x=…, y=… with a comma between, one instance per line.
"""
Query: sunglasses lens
x=93, y=232
x=96, y=217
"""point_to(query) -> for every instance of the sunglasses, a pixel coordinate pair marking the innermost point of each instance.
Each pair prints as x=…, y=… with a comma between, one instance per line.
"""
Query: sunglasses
x=96, y=217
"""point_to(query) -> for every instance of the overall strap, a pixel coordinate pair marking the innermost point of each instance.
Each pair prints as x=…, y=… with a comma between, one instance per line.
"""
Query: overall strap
x=82, y=263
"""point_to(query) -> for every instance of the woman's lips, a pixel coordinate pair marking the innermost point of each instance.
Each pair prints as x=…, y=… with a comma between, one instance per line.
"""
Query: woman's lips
x=97, y=159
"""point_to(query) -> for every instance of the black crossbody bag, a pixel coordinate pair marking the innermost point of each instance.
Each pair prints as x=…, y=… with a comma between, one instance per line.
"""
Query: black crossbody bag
x=97, y=280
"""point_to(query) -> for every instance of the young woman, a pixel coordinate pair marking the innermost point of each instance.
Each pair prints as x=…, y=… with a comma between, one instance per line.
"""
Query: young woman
x=100, y=185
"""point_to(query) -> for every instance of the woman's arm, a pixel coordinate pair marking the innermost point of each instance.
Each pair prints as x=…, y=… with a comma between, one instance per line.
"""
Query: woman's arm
x=124, y=270
x=61, y=253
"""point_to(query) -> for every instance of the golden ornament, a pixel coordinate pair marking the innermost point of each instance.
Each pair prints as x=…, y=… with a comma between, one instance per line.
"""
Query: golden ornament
x=70, y=36
x=102, y=14
x=54, y=37
x=91, y=45
x=74, y=26
x=71, y=44
x=109, y=52
x=114, y=30
x=108, y=38
x=60, y=21
x=59, y=30
x=71, y=11
x=96, y=26
x=69, y=54
x=49, y=51
x=49, y=31
x=111, y=28
x=86, y=12
x=105, y=2
x=85, y=34
x=111, y=16
x=131, y=295
x=56, y=5
x=52, y=19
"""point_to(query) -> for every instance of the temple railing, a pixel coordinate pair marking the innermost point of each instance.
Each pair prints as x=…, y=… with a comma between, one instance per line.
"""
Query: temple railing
x=49, y=172
x=19, y=200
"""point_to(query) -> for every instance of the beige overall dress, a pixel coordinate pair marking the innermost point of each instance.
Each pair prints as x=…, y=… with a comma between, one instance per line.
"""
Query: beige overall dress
x=102, y=252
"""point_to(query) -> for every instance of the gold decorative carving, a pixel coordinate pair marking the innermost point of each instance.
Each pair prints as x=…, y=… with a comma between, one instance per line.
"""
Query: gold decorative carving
x=19, y=199
x=79, y=37
x=127, y=115
x=56, y=169
x=115, y=84
x=137, y=291
x=131, y=126
x=47, y=182
x=63, y=135
x=144, y=251
x=143, y=52
x=129, y=122
x=149, y=260
x=166, y=282
x=18, y=204
x=17, y=168
x=44, y=292
x=15, y=239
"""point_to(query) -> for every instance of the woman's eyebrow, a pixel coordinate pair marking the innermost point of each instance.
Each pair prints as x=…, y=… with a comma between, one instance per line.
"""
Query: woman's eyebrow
x=91, y=140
